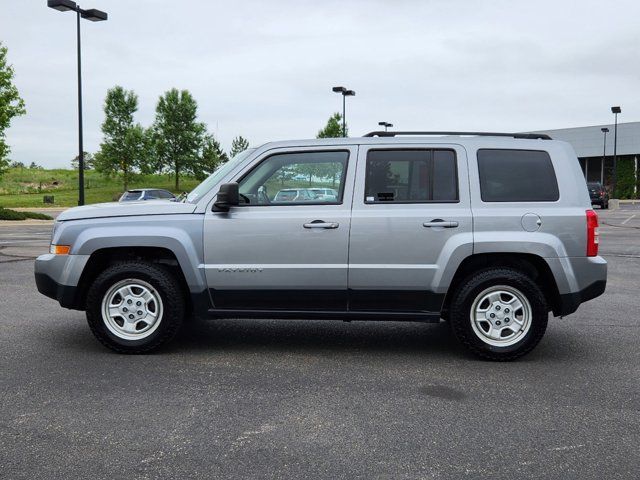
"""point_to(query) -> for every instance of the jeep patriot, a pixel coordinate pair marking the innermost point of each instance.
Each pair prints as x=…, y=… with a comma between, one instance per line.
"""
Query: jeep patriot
x=489, y=232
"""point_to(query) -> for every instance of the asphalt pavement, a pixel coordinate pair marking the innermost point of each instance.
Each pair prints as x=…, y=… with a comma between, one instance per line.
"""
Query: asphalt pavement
x=319, y=399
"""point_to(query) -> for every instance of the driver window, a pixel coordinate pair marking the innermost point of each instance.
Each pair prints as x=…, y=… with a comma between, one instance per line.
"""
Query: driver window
x=296, y=178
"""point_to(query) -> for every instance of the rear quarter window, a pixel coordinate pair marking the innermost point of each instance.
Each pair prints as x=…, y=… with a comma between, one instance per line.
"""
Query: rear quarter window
x=517, y=176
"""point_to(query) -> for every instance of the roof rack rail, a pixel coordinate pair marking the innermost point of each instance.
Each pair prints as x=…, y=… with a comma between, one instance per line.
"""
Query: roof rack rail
x=530, y=136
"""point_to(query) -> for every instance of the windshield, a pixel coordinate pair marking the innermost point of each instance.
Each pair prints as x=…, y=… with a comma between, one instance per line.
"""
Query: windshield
x=216, y=176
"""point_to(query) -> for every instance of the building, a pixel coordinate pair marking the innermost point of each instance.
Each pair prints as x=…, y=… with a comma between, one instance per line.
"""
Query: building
x=593, y=145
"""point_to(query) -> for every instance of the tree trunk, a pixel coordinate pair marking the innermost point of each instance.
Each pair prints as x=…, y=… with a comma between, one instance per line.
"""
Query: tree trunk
x=126, y=179
x=177, y=179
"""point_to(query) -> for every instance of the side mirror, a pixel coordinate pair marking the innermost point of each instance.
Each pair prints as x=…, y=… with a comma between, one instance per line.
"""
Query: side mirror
x=227, y=197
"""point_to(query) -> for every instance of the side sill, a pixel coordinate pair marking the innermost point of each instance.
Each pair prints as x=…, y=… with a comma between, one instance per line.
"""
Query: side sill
x=347, y=316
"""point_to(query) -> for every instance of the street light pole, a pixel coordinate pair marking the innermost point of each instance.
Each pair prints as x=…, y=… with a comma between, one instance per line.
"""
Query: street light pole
x=615, y=111
x=385, y=125
x=604, y=130
x=95, y=16
x=345, y=93
x=344, y=115
x=80, y=133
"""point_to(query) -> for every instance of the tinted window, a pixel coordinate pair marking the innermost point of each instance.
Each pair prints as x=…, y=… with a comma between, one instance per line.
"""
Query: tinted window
x=162, y=194
x=287, y=178
x=411, y=176
x=516, y=176
x=129, y=196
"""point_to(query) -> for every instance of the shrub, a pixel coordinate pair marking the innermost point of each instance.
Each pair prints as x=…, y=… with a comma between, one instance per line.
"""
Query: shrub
x=7, y=214
x=37, y=215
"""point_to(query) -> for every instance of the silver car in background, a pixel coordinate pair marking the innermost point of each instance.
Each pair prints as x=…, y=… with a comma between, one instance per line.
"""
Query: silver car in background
x=146, y=194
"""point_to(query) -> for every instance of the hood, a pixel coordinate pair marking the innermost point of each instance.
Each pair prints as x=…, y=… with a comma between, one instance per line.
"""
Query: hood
x=114, y=209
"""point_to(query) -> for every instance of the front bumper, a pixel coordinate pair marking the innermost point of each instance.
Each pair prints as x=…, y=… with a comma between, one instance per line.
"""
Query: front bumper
x=58, y=277
x=66, y=295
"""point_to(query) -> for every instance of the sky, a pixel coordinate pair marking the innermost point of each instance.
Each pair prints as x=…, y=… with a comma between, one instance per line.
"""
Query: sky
x=264, y=69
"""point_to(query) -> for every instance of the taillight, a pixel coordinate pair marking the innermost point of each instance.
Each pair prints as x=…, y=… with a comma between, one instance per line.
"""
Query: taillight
x=593, y=235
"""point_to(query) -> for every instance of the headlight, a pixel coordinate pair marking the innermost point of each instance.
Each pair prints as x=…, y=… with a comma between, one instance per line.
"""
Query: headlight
x=57, y=249
x=56, y=224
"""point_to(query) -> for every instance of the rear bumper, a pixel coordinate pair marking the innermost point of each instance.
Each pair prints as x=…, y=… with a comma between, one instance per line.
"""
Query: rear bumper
x=569, y=302
x=579, y=279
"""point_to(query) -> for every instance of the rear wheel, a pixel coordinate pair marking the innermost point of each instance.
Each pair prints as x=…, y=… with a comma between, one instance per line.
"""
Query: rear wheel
x=135, y=307
x=499, y=314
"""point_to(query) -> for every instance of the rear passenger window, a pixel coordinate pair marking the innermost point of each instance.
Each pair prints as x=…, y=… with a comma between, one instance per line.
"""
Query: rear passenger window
x=411, y=176
x=516, y=176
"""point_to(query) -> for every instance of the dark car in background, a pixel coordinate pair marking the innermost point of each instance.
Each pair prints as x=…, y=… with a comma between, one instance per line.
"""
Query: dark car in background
x=598, y=194
x=146, y=194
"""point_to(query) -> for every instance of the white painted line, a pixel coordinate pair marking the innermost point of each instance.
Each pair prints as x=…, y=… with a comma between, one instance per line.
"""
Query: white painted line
x=624, y=223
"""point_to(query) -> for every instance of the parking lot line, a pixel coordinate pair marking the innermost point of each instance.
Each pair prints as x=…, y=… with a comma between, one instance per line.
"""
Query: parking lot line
x=632, y=216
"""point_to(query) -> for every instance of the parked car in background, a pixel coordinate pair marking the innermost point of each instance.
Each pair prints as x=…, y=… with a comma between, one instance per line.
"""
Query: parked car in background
x=294, y=195
x=146, y=194
x=598, y=194
x=327, y=194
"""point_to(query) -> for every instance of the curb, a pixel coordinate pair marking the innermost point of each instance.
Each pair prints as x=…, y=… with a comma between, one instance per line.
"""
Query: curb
x=10, y=223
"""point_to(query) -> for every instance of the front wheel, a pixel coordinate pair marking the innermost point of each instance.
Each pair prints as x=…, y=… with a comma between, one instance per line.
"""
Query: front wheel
x=499, y=314
x=135, y=307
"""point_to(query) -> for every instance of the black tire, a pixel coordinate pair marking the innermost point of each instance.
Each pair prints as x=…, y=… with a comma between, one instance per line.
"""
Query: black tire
x=465, y=296
x=164, y=283
x=605, y=206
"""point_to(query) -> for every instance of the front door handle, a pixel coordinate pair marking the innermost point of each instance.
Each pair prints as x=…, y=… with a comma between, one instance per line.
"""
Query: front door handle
x=321, y=224
x=438, y=222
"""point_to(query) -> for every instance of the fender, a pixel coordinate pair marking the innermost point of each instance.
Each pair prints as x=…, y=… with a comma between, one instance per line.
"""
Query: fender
x=181, y=234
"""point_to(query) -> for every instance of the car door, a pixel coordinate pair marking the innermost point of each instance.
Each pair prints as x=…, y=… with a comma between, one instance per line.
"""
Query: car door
x=411, y=216
x=283, y=252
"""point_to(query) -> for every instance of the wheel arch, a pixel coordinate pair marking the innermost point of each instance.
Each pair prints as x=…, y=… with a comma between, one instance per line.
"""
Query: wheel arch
x=532, y=265
x=102, y=258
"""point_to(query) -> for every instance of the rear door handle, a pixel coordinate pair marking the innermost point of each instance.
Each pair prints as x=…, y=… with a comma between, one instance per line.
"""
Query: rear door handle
x=321, y=224
x=438, y=222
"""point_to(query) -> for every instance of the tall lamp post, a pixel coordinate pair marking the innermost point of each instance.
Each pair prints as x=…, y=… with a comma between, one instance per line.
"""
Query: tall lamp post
x=95, y=16
x=385, y=125
x=615, y=111
x=604, y=130
x=345, y=93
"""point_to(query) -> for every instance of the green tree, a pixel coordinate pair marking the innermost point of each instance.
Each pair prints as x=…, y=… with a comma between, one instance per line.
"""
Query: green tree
x=333, y=128
x=35, y=166
x=178, y=136
x=123, y=149
x=16, y=164
x=88, y=161
x=239, y=144
x=11, y=105
x=211, y=156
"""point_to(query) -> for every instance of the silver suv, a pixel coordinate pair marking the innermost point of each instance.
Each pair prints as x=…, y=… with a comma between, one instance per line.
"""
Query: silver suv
x=489, y=232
